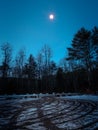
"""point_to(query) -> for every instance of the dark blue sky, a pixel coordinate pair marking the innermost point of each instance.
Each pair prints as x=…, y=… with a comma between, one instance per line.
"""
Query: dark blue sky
x=25, y=23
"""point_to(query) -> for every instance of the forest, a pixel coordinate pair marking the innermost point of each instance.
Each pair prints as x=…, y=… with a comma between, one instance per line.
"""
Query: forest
x=76, y=73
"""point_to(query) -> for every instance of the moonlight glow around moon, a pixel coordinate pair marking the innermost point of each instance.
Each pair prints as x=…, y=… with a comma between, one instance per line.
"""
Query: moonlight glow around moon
x=51, y=16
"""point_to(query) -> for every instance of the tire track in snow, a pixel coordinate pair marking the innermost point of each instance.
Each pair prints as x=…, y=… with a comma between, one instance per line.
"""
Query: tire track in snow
x=48, y=113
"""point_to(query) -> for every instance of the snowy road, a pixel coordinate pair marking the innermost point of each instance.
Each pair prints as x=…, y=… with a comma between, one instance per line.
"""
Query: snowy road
x=48, y=113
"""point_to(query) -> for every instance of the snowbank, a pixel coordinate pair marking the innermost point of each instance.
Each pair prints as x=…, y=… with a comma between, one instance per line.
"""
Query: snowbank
x=83, y=97
x=62, y=95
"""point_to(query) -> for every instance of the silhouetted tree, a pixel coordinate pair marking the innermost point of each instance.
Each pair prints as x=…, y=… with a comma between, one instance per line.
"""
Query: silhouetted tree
x=60, y=80
x=64, y=65
x=53, y=68
x=46, y=54
x=52, y=76
x=39, y=60
x=31, y=68
x=81, y=51
x=95, y=45
x=19, y=63
x=7, y=55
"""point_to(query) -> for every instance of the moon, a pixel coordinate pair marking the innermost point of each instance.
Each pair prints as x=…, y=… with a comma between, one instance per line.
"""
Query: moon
x=51, y=16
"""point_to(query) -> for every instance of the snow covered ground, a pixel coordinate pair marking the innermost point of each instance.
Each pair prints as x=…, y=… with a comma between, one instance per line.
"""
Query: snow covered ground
x=49, y=112
x=83, y=97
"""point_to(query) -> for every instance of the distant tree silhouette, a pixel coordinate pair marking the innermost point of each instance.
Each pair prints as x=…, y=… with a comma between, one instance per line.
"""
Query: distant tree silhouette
x=52, y=76
x=47, y=54
x=60, y=80
x=64, y=65
x=53, y=68
x=31, y=68
x=39, y=60
x=7, y=55
x=46, y=57
x=19, y=63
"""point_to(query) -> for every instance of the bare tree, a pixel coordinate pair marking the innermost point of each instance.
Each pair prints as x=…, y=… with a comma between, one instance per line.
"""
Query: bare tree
x=64, y=64
x=19, y=63
x=47, y=54
x=39, y=65
x=7, y=55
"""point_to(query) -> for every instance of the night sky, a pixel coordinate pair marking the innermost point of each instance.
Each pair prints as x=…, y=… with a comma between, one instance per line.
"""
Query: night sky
x=26, y=23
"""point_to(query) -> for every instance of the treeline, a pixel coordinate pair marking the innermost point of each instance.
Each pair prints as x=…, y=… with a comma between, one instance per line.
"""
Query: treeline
x=78, y=72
